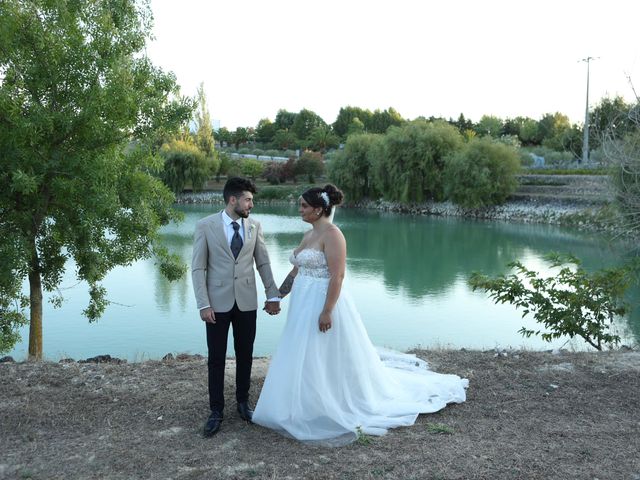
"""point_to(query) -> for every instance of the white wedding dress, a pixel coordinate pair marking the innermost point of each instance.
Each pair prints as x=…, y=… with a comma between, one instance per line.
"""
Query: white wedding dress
x=329, y=387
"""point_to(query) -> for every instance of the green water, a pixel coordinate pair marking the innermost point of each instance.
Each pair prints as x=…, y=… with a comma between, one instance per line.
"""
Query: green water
x=406, y=274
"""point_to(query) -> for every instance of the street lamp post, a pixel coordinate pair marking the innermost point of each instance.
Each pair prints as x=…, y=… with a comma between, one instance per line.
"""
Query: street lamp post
x=585, y=139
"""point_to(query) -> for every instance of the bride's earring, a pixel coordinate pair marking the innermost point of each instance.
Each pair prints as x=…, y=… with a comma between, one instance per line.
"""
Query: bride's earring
x=318, y=213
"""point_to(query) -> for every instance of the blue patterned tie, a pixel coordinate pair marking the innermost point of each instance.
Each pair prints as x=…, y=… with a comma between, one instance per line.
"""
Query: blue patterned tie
x=236, y=240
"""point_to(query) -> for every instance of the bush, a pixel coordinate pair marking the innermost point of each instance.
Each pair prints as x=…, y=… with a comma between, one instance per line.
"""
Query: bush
x=482, y=174
x=310, y=164
x=573, y=302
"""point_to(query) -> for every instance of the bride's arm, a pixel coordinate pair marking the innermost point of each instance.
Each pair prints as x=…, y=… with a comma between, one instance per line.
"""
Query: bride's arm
x=335, y=249
x=286, y=286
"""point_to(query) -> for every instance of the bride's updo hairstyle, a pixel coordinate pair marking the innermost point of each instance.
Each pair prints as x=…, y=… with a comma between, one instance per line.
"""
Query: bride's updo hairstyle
x=326, y=198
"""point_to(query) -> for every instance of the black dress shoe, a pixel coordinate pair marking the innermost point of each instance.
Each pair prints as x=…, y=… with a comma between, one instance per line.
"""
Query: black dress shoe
x=213, y=424
x=245, y=412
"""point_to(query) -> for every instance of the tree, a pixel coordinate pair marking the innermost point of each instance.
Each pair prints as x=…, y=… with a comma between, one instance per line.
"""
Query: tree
x=185, y=162
x=414, y=157
x=489, y=126
x=483, y=173
x=322, y=138
x=200, y=170
x=306, y=121
x=551, y=128
x=225, y=136
x=572, y=302
x=356, y=127
x=81, y=111
x=265, y=131
x=529, y=133
x=310, y=164
x=345, y=117
x=284, y=139
x=610, y=120
x=380, y=121
x=352, y=167
x=462, y=124
x=252, y=168
x=285, y=120
x=240, y=136
x=204, y=130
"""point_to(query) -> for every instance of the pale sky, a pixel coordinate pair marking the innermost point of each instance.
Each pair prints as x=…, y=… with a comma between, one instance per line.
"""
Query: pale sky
x=421, y=57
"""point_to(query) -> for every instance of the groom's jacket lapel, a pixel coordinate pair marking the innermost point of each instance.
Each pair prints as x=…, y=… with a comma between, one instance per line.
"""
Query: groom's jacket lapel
x=217, y=227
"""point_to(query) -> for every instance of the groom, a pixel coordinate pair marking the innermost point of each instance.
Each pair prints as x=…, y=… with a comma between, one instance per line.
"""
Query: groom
x=226, y=244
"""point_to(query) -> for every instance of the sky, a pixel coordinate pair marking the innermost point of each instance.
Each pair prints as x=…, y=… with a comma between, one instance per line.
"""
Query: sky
x=422, y=57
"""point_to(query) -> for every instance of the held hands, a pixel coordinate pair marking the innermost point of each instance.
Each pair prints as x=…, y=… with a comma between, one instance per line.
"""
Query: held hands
x=272, y=308
x=325, y=321
x=207, y=315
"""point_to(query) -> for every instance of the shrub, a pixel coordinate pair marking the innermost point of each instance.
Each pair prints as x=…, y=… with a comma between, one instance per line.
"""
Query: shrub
x=482, y=174
x=572, y=302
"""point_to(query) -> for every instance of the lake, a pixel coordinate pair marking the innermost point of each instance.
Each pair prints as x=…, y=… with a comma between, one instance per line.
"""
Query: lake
x=407, y=275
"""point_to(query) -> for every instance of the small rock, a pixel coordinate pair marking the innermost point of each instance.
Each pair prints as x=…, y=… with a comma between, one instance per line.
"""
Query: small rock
x=66, y=360
x=103, y=359
x=167, y=357
x=7, y=359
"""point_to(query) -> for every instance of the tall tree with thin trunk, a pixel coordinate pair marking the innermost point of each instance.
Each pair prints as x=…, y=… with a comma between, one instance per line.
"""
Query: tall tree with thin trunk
x=82, y=110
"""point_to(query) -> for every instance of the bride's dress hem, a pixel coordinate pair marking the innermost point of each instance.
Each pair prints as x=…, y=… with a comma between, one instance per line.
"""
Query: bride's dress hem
x=329, y=388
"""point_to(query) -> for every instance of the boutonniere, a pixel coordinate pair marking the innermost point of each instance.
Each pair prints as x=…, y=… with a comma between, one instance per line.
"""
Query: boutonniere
x=251, y=229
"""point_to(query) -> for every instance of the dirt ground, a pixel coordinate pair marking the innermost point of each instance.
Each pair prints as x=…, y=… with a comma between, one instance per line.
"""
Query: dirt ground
x=531, y=415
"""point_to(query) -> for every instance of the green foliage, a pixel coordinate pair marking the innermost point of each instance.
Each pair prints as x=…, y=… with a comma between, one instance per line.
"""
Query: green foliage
x=185, y=162
x=252, y=168
x=322, y=138
x=362, y=438
x=284, y=139
x=529, y=133
x=306, y=122
x=81, y=114
x=352, y=168
x=552, y=129
x=482, y=174
x=610, y=120
x=413, y=157
x=439, y=428
x=345, y=118
x=285, y=120
x=310, y=164
x=265, y=131
x=571, y=302
x=489, y=126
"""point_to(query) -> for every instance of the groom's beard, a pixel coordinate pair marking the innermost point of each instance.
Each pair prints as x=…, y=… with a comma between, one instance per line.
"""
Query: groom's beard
x=242, y=213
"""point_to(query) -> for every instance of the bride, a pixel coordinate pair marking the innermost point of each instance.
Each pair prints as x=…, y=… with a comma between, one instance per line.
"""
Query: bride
x=326, y=382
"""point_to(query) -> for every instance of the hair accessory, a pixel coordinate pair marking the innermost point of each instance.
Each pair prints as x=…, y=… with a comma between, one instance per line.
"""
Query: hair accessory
x=325, y=198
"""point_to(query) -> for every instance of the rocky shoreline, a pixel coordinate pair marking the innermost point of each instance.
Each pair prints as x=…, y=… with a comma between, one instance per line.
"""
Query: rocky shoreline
x=586, y=214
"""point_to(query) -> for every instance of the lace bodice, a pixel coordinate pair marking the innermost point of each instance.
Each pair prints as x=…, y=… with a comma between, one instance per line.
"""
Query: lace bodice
x=311, y=263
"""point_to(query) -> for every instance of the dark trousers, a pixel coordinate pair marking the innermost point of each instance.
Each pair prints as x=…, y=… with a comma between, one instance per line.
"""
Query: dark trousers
x=244, y=333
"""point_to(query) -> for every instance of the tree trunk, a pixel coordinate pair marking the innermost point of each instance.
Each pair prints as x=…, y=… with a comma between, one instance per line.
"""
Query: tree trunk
x=35, y=307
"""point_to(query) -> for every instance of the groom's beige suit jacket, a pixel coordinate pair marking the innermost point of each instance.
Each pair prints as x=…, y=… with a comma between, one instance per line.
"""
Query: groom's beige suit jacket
x=219, y=280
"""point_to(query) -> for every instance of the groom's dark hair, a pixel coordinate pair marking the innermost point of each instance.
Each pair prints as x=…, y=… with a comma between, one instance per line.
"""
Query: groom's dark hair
x=235, y=186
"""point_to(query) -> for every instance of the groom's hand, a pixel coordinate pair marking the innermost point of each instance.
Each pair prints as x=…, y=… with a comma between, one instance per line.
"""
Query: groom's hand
x=207, y=315
x=272, y=308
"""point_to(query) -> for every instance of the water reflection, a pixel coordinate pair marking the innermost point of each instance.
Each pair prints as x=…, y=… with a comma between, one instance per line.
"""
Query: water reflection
x=410, y=271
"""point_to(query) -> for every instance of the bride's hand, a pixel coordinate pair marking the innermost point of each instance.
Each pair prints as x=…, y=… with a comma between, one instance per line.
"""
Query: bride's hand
x=325, y=321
